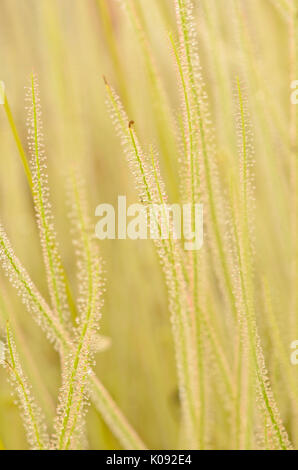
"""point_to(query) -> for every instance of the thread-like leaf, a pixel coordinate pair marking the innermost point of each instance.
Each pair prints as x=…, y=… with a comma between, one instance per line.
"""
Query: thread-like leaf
x=152, y=191
x=72, y=397
x=52, y=259
x=243, y=244
x=34, y=421
x=55, y=332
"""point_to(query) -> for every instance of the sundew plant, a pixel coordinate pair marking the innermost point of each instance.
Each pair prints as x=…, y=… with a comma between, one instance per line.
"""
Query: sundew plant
x=133, y=343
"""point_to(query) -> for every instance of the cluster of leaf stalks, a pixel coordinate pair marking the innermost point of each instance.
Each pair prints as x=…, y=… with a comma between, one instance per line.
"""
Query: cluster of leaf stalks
x=77, y=343
x=212, y=293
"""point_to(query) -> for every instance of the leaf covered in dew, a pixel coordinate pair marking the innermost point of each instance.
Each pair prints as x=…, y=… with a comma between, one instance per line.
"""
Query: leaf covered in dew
x=73, y=395
x=28, y=292
x=152, y=191
x=44, y=215
x=34, y=421
x=225, y=379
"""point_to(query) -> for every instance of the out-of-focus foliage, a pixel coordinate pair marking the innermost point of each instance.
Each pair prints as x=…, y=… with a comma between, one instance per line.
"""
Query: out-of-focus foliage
x=246, y=274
